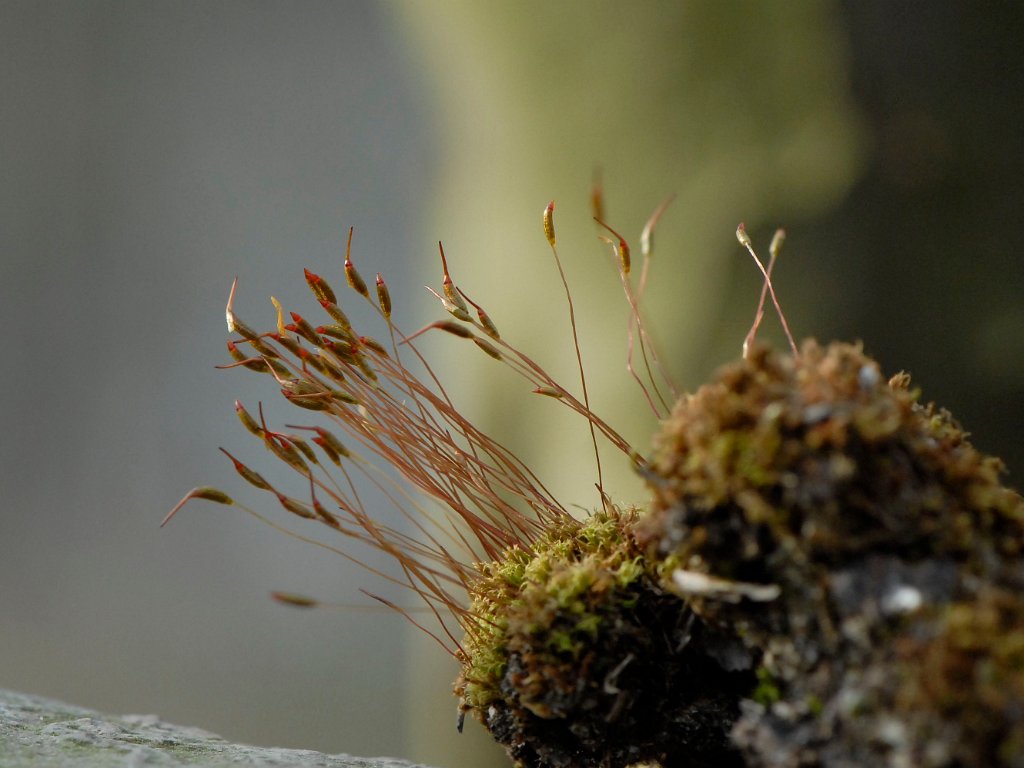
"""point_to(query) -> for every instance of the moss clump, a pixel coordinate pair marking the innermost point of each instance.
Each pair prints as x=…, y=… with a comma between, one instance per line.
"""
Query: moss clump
x=886, y=536
x=581, y=658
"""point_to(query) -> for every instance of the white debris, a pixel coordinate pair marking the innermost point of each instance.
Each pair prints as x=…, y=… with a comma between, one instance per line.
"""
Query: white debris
x=694, y=583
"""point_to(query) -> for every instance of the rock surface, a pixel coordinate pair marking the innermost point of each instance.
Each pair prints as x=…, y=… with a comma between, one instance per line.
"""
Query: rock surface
x=41, y=732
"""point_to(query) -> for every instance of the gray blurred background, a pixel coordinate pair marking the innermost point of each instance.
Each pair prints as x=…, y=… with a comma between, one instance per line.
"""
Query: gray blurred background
x=149, y=152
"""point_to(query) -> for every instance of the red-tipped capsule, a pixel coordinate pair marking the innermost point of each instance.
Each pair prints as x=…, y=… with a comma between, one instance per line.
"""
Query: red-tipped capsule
x=328, y=438
x=549, y=223
x=373, y=345
x=325, y=516
x=549, y=392
x=285, y=451
x=295, y=507
x=304, y=329
x=319, y=287
x=309, y=360
x=335, y=312
x=742, y=236
x=331, y=453
x=252, y=477
x=235, y=353
x=248, y=421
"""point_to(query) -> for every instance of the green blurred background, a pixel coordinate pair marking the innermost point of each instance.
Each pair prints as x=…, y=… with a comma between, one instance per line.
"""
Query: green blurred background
x=151, y=151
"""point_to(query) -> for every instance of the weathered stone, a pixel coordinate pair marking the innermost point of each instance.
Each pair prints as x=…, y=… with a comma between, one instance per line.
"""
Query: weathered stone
x=41, y=732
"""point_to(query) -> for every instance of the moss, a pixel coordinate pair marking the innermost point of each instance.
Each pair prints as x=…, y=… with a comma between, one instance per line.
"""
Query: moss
x=840, y=538
x=809, y=520
x=767, y=691
x=895, y=547
x=581, y=658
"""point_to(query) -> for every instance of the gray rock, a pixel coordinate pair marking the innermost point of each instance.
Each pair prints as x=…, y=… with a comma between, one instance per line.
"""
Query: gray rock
x=41, y=732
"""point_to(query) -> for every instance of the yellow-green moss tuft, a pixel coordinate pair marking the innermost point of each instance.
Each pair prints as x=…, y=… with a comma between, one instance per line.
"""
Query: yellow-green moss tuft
x=579, y=657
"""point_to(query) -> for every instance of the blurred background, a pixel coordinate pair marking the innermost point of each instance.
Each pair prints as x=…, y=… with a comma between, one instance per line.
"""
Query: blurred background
x=152, y=151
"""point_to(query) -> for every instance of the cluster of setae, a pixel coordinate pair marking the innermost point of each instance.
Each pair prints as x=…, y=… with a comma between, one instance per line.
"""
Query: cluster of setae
x=827, y=572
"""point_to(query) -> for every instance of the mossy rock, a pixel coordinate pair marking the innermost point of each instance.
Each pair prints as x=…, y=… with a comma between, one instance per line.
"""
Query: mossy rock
x=581, y=658
x=895, y=634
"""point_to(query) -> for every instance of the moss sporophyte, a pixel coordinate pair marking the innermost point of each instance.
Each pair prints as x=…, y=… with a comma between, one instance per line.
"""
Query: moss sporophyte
x=826, y=573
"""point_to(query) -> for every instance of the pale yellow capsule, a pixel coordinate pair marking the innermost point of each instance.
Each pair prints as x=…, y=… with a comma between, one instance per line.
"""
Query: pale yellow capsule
x=548, y=392
x=742, y=236
x=777, y=242
x=280, y=316
x=383, y=297
x=549, y=223
x=234, y=324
